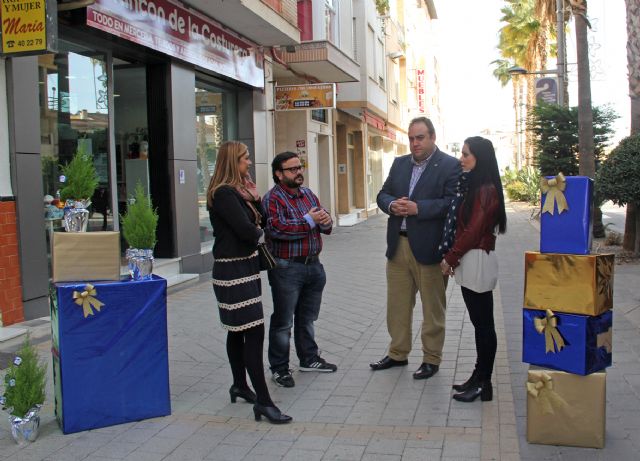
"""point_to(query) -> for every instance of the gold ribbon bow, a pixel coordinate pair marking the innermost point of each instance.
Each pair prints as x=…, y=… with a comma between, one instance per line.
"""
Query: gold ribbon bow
x=87, y=301
x=604, y=339
x=548, y=325
x=554, y=188
x=540, y=387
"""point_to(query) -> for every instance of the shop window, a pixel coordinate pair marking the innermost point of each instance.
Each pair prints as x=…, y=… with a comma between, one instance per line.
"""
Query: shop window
x=215, y=117
x=319, y=115
x=374, y=168
x=74, y=115
x=130, y=129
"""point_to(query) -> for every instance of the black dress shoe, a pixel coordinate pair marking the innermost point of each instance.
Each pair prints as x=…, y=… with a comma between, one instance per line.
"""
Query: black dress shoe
x=245, y=393
x=482, y=389
x=467, y=384
x=426, y=370
x=387, y=362
x=273, y=414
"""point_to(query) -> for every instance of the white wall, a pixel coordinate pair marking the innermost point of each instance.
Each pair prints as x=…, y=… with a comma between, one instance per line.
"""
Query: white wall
x=5, y=171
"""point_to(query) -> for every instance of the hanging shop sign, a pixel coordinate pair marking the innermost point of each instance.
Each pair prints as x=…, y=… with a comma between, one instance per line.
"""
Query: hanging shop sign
x=547, y=90
x=299, y=97
x=422, y=100
x=169, y=27
x=28, y=27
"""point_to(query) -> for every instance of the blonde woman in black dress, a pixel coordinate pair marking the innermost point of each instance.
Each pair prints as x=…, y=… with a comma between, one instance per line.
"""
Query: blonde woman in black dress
x=234, y=204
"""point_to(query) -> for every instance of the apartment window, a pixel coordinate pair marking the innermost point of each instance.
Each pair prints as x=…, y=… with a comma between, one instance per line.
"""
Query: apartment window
x=380, y=62
x=354, y=40
x=332, y=25
x=371, y=55
x=395, y=94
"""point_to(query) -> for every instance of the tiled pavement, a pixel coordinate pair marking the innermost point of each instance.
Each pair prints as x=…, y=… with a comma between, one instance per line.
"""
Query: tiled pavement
x=356, y=414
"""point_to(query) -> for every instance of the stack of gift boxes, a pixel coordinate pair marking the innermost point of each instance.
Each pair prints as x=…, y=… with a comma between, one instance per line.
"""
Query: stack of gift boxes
x=109, y=336
x=567, y=320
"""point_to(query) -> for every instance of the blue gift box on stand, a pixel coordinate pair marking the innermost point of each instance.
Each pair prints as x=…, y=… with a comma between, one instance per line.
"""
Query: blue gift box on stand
x=567, y=231
x=586, y=339
x=110, y=356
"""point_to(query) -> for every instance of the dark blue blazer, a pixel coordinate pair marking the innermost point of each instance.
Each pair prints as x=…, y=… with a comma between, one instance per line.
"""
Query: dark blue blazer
x=433, y=193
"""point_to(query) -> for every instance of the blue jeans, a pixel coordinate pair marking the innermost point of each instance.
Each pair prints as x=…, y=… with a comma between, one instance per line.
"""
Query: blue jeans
x=297, y=293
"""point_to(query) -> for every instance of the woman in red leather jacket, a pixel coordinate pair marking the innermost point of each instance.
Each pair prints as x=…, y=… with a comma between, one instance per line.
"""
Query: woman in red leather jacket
x=472, y=259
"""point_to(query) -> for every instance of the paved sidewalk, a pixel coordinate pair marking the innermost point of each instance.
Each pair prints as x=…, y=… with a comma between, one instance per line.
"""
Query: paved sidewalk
x=357, y=414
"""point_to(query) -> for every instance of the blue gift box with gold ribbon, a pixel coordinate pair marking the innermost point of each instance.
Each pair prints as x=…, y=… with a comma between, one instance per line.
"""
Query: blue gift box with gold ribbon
x=579, y=344
x=565, y=219
x=110, y=359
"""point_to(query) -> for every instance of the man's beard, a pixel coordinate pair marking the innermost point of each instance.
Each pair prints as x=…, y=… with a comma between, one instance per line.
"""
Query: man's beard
x=291, y=183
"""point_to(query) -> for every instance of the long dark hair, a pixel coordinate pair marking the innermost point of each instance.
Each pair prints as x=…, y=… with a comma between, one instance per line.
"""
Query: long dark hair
x=485, y=172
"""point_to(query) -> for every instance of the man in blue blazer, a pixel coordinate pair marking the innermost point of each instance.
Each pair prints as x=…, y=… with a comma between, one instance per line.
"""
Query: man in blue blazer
x=416, y=196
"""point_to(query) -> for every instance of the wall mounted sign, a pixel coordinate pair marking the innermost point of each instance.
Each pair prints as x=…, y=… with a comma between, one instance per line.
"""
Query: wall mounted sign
x=171, y=28
x=300, y=97
x=28, y=27
x=420, y=87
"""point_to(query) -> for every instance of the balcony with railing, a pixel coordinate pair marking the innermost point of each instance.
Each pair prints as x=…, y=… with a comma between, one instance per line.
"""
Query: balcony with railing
x=318, y=57
x=265, y=22
x=288, y=9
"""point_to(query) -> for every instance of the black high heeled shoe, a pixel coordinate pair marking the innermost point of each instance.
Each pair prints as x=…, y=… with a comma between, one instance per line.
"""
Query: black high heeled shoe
x=482, y=389
x=467, y=384
x=273, y=414
x=247, y=394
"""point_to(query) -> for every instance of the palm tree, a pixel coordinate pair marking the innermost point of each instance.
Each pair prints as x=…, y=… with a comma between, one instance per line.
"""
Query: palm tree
x=587, y=162
x=632, y=225
x=546, y=12
x=501, y=72
x=522, y=42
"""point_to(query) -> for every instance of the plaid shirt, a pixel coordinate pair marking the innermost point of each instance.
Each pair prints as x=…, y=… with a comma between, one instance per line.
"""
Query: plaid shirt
x=288, y=232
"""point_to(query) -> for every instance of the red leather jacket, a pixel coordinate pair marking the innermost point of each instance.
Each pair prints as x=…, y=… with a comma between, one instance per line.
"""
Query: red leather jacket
x=479, y=232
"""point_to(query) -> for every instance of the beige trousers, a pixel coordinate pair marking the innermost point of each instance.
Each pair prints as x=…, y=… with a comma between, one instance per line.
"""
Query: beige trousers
x=406, y=277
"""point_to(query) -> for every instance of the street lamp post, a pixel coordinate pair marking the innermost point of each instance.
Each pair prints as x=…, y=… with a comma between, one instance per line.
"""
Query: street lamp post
x=561, y=64
x=518, y=71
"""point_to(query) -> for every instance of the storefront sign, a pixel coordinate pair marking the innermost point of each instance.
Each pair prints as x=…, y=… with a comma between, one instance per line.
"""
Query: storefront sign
x=373, y=120
x=28, y=26
x=297, y=97
x=171, y=28
x=422, y=103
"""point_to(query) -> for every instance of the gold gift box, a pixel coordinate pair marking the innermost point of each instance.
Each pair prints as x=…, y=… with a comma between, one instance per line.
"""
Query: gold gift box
x=79, y=256
x=573, y=284
x=566, y=409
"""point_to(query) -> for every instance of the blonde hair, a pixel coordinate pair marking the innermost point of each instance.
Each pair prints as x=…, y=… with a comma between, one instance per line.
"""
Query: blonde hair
x=226, y=171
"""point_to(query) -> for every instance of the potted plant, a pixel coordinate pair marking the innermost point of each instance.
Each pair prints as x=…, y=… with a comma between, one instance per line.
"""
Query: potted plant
x=139, y=225
x=80, y=182
x=24, y=393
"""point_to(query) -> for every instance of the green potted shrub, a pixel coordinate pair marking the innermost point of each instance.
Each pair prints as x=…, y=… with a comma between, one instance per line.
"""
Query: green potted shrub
x=24, y=392
x=81, y=181
x=139, y=225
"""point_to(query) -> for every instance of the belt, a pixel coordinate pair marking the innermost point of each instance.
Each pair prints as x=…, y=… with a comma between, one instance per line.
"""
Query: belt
x=403, y=233
x=311, y=259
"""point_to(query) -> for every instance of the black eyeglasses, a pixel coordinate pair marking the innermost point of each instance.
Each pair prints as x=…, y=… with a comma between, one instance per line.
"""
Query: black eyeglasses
x=293, y=169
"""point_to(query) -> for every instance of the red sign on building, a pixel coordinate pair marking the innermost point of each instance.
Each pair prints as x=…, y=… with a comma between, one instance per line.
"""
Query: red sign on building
x=422, y=99
x=171, y=28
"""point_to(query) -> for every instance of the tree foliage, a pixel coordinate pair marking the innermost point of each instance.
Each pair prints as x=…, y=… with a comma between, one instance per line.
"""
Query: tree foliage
x=81, y=177
x=140, y=221
x=618, y=178
x=555, y=136
x=25, y=381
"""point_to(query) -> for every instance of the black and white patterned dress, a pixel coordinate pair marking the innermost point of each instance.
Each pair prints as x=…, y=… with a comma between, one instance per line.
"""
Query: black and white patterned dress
x=236, y=269
x=236, y=284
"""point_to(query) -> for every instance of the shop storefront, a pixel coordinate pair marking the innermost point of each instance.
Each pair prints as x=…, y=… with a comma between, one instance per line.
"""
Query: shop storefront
x=149, y=94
